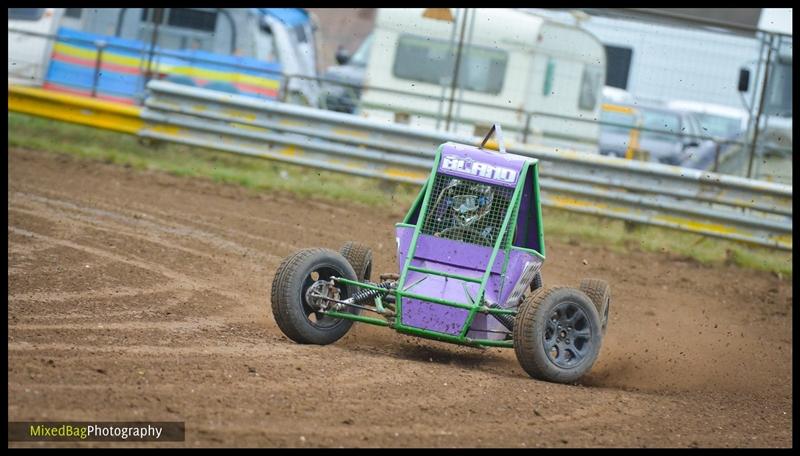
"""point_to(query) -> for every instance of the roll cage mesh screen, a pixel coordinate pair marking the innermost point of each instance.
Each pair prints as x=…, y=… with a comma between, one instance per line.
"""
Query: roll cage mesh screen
x=467, y=211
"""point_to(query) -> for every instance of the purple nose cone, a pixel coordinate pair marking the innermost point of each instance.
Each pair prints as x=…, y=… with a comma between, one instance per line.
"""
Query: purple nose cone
x=437, y=317
x=434, y=317
x=454, y=257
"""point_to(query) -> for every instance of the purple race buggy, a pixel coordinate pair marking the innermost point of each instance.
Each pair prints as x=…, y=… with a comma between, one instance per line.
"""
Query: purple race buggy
x=469, y=252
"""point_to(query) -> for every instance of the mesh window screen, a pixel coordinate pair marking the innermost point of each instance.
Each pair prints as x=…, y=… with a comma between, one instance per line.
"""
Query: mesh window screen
x=466, y=211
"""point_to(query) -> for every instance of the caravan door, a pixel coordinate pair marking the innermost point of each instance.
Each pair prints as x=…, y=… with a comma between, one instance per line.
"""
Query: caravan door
x=565, y=88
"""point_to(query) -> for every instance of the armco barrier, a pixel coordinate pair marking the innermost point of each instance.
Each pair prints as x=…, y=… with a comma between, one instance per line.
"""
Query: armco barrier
x=71, y=108
x=685, y=199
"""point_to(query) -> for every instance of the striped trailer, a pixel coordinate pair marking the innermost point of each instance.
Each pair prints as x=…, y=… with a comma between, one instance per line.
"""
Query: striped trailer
x=119, y=73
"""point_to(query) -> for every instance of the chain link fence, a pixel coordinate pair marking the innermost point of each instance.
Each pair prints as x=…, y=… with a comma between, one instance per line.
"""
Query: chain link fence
x=714, y=100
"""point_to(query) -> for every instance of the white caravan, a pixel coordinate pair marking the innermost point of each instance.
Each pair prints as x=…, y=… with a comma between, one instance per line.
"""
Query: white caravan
x=511, y=63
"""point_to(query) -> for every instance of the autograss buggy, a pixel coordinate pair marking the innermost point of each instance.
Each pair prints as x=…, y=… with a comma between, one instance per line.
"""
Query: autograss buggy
x=469, y=251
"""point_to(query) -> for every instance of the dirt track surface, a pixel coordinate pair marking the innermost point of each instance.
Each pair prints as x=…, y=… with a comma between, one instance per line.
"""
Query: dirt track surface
x=141, y=296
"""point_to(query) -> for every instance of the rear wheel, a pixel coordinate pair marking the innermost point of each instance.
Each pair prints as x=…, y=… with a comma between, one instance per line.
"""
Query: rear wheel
x=300, y=277
x=557, y=335
x=536, y=283
x=600, y=293
x=360, y=257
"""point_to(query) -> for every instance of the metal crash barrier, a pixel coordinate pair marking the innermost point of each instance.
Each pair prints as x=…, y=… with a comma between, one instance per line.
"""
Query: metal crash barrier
x=685, y=199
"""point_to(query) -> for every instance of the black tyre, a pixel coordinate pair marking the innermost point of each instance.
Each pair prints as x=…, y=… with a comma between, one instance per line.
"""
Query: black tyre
x=557, y=335
x=536, y=283
x=599, y=291
x=293, y=281
x=360, y=257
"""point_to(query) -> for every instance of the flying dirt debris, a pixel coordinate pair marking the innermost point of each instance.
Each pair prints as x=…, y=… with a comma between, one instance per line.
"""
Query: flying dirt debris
x=177, y=274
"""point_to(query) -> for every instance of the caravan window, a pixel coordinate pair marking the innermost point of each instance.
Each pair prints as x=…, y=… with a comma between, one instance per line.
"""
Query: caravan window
x=265, y=45
x=150, y=15
x=193, y=19
x=429, y=60
x=25, y=14
x=300, y=32
x=185, y=28
x=779, y=92
x=74, y=13
x=205, y=21
x=618, y=65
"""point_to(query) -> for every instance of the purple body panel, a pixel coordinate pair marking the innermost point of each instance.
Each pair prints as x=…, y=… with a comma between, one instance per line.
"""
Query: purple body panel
x=403, y=238
x=457, y=253
x=433, y=317
x=436, y=317
x=461, y=258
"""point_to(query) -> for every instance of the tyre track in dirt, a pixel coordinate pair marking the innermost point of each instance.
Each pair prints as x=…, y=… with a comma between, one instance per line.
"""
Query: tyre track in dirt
x=170, y=321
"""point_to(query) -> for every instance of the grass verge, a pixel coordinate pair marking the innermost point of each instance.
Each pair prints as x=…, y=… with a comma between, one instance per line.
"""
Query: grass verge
x=259, y=174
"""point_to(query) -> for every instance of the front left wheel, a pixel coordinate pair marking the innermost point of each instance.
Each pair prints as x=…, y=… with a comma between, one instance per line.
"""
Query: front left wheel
x=299, y=282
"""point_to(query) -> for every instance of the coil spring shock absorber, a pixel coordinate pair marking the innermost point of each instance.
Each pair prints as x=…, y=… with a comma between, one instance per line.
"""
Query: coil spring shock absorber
x=505, y=319
x=367, y=294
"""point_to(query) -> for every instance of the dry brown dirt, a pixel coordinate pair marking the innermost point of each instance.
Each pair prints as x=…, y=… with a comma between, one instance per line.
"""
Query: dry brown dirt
x=142, y=296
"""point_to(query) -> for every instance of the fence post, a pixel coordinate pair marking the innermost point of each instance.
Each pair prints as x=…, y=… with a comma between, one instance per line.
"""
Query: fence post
x=754, y=145
x=97, y=66
x=284, y=91
x=716, y=157
x=527, y=127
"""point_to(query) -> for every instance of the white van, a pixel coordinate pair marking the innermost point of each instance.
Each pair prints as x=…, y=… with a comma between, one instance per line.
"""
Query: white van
x=512, y=62
x=26, y=64
x=716, y=120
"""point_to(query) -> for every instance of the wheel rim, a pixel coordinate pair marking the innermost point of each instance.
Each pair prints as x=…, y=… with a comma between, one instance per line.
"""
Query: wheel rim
x=567, y=336
x=315, y=318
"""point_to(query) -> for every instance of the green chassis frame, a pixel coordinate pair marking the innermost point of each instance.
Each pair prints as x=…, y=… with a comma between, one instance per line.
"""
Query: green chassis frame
x=394, y=320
